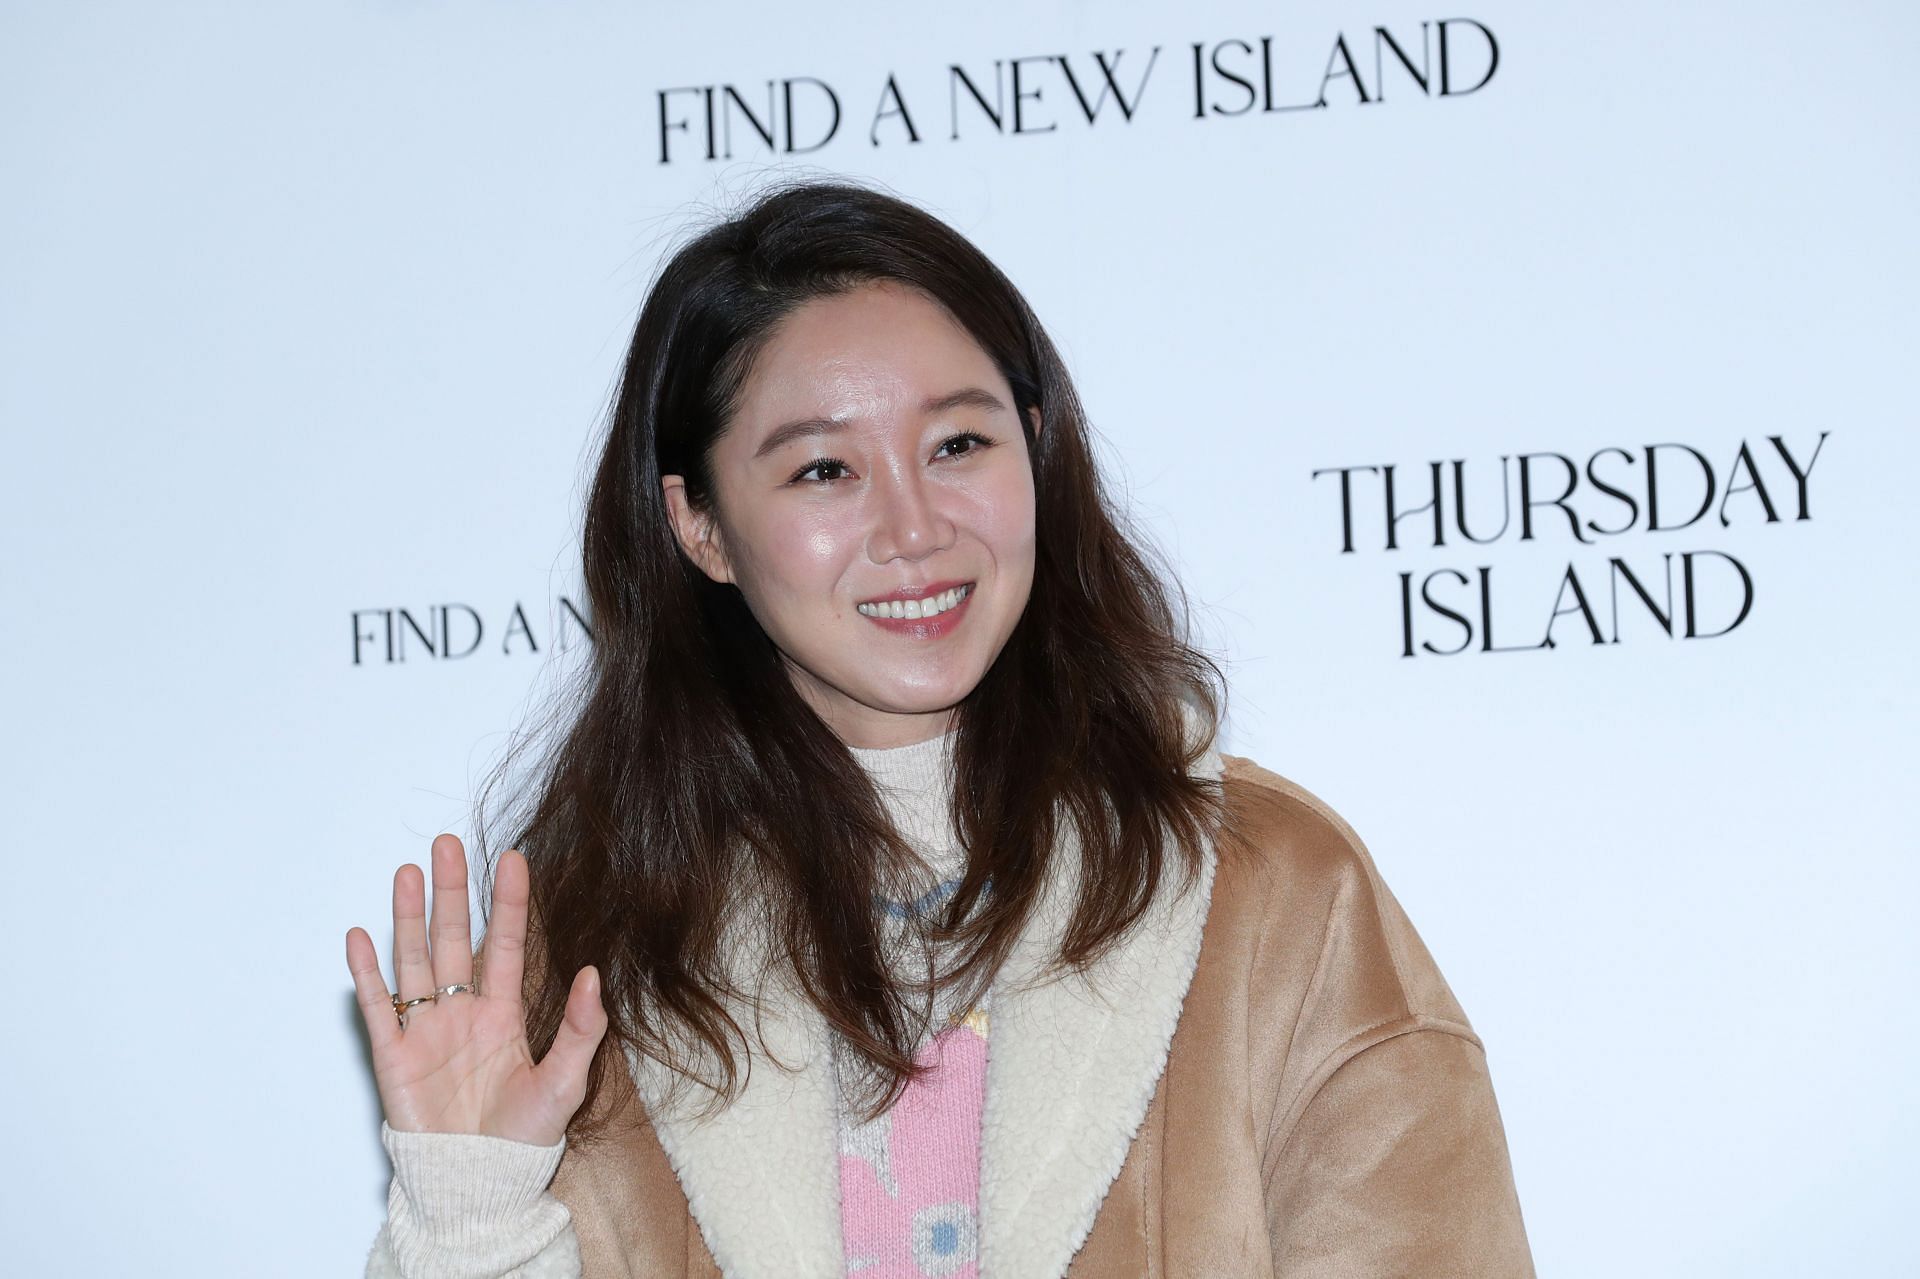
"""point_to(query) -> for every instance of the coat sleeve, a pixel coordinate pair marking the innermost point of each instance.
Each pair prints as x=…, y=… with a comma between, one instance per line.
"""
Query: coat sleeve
x=1398, y=1165
x=1382, y=1148
x=465, y=1206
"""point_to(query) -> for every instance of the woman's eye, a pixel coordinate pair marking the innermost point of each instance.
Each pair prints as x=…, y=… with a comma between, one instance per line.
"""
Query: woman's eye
x=967, y=441
x=829, y=468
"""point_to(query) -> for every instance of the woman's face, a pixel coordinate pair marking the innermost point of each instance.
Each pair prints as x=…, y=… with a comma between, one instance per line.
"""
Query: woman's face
x=876, y=464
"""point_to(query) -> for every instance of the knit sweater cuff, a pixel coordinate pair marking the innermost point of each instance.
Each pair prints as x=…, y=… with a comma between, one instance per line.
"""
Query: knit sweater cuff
x=467, y=1204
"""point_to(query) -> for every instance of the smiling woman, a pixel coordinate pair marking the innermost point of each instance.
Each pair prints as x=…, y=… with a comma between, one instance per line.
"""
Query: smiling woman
x=892, y=750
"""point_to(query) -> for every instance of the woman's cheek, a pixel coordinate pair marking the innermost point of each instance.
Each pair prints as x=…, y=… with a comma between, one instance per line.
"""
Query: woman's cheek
x=1006, y=511
x=807, y=543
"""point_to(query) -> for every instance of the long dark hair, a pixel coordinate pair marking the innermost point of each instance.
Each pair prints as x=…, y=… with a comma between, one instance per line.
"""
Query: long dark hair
x=692, y=769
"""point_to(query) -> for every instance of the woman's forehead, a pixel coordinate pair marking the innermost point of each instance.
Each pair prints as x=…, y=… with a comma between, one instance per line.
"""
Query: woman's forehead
x=875, y=354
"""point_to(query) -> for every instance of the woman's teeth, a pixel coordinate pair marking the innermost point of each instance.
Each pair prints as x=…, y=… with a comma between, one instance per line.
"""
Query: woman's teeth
x=932, y=606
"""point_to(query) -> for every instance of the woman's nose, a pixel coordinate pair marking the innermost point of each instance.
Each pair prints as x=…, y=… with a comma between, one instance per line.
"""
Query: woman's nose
x=908, y=522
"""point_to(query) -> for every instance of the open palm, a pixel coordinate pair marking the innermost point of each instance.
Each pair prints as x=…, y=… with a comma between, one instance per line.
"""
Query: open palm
x=462, y=1063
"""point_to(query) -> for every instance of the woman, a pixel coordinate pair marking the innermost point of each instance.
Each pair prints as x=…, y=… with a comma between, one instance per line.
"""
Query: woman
x=891, y=755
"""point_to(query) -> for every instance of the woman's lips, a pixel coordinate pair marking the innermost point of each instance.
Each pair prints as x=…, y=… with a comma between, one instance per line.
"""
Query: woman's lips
x=926, y=627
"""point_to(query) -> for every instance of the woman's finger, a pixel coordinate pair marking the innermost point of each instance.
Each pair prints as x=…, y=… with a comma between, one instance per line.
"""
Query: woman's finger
x=564, y=1068
x=451, y=933
x=370, y=990
x=503, y=953
x=412, y=967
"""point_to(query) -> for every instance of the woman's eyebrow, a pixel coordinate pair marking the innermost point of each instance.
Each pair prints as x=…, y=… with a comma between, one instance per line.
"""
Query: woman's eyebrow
x=967, y=397
x=782, y=436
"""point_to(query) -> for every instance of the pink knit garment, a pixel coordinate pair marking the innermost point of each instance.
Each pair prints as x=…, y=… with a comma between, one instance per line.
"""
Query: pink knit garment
x=910, y=1181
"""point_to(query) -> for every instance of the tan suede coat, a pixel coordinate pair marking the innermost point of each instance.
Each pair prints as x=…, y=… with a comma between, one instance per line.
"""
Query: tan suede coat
x=1316, y=1104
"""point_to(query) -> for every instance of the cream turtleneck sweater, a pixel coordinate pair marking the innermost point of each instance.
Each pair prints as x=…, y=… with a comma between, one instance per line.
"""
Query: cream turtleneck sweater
x=910, y=1179
x=915, y=786
x=469, y=1205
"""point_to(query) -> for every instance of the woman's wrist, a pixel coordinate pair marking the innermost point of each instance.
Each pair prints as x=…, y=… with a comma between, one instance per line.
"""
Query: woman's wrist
x=468, y=1176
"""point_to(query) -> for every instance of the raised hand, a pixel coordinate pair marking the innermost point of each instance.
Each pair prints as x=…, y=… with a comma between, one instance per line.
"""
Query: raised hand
x=462, y=1063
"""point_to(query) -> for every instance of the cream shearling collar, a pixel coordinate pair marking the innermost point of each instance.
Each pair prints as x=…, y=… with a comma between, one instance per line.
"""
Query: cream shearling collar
x=1071, y=1069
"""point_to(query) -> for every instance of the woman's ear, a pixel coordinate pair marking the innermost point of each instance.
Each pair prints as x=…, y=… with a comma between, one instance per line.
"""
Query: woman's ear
x=698, y=532
x=1033, y=415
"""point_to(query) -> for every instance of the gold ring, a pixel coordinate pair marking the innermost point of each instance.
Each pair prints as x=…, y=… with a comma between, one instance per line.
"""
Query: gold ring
x=400, y=1007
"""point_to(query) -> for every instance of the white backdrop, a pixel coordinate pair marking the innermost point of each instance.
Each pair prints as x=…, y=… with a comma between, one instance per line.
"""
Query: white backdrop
x=312, y=311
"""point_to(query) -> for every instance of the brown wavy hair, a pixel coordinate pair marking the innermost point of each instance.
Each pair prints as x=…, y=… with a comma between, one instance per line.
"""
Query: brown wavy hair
x=687, y=768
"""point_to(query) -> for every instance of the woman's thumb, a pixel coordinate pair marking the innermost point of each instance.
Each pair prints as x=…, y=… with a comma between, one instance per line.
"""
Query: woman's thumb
x=581, y=1028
